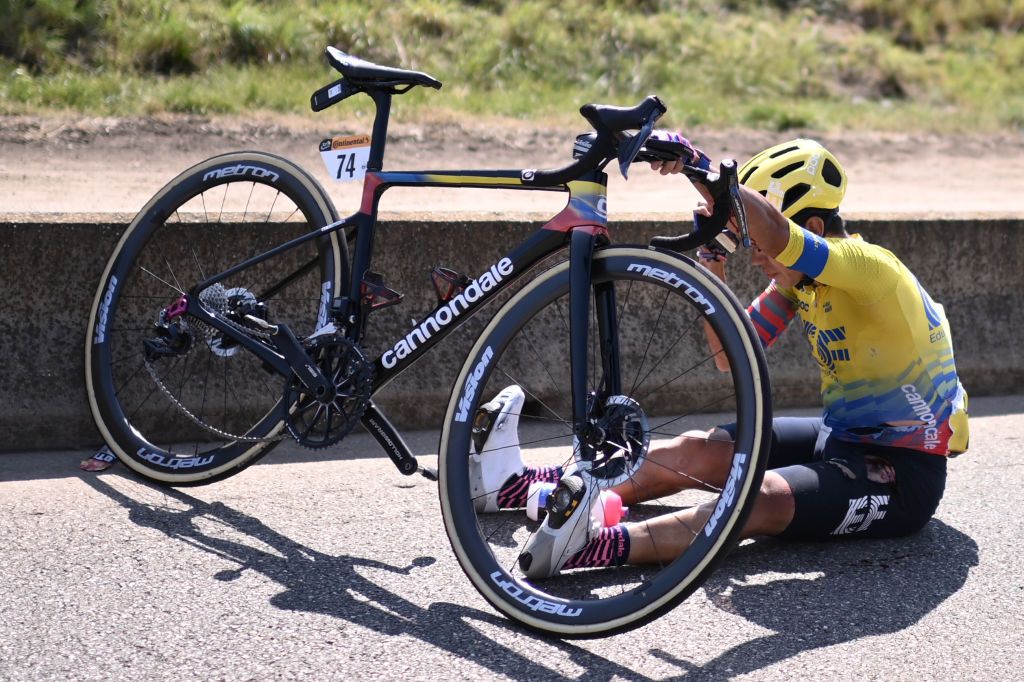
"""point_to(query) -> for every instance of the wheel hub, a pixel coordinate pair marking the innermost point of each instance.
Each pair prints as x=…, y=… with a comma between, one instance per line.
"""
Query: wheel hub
x=619, y=438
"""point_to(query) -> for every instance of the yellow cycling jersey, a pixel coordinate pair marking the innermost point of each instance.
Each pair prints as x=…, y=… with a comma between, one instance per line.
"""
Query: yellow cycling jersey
x=883, y=345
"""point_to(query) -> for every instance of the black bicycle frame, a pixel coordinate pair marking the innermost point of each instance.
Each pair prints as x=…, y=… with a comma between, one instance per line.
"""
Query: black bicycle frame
x=581, y=225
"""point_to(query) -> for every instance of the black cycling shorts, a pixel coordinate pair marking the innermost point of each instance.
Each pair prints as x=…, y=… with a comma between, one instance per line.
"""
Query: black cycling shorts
x=835, y=498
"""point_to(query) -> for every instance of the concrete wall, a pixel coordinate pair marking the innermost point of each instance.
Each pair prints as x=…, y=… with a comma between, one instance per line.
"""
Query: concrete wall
x=51, y=266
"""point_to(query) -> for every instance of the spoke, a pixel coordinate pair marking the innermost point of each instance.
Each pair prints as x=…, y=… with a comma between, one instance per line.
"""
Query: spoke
x=206, y=383
x=531, y=346
x=650, y=340
x=142, y=363
x=245, y=212
x=546, y=439
x=673, y=379
x=271, y=211
x=703, y=408
x=195, y=257
x=161, y=280
x=657, y=363
x=535, y=397
x=170, y=271
x=223, y=201
x=152, y=390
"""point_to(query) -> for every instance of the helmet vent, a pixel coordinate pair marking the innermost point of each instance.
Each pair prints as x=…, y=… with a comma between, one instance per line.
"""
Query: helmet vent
x=793, y=195
x=786, y=170
x=746, y=176
x=787, y=150
x=831, y=174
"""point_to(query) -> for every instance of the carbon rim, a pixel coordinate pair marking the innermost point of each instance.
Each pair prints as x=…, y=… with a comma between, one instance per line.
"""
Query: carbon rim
x=522, y=343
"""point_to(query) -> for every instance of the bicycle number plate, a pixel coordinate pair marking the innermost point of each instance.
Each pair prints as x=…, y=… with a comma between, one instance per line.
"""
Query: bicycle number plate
x=346, y=157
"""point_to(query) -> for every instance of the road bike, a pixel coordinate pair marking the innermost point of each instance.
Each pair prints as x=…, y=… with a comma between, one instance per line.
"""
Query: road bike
x=233, y=313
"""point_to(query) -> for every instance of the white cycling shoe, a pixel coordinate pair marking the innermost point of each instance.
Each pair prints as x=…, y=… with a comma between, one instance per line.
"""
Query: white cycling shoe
x=567, y=528
x=496, y=443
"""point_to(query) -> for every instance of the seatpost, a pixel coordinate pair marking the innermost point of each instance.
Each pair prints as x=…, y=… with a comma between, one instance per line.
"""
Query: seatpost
x=382, y=101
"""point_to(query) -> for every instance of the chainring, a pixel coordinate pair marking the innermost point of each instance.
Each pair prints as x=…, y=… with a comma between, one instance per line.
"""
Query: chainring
x=315, y=423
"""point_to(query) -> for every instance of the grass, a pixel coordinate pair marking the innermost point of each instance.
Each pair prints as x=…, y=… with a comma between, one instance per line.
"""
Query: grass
x=871, y=64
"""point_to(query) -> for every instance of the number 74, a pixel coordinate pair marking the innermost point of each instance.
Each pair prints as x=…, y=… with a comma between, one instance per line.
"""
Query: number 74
x=347, y=164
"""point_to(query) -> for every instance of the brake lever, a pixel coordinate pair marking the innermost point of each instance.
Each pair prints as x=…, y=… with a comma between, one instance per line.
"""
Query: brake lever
x=628, y=153
x=728, y=168
x=721, y=183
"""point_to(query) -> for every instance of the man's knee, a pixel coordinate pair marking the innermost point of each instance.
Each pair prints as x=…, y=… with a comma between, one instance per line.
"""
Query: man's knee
x=774, y=508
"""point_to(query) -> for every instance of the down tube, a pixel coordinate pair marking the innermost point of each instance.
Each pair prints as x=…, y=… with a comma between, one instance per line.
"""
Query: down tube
x=451, y=315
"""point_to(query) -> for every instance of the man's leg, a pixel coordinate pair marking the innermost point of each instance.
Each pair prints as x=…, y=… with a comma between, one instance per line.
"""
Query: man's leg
x=696, y=459
x=703, y=460
x=664, y=538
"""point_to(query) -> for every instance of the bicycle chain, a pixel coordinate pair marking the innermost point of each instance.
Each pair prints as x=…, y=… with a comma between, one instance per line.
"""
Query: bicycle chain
x=199, y=422
x=208, y=333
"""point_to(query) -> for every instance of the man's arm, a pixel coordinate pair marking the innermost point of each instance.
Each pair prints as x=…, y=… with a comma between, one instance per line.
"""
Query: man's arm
x=717, y=268
x=768, y=228
x=765, y=223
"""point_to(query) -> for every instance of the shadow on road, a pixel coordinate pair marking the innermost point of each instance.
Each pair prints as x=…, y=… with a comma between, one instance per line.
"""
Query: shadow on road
x=815, y=595
x=331, y=585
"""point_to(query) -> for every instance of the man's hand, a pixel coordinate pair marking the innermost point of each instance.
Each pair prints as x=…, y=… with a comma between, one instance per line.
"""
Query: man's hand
x=713, y=255
x=688, y=153
x=667, y=167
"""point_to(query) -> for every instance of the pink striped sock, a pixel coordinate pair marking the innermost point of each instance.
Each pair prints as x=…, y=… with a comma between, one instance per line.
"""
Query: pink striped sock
x=513, y=493
x=609, y=548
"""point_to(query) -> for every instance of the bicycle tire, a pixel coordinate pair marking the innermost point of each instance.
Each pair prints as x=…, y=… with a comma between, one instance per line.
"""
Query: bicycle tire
x=517, y=346
x=210, y=217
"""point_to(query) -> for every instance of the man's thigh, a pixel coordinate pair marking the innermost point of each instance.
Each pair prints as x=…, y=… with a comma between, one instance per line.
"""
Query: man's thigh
x=838, y=496
x=795, y=440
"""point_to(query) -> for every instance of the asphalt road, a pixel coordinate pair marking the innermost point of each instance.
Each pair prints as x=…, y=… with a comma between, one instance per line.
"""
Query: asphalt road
x=321, y=567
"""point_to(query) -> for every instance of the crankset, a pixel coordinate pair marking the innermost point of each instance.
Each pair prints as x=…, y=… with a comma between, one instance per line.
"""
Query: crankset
x=321, y=421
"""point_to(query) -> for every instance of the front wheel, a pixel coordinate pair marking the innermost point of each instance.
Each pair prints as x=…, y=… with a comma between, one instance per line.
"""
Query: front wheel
x=660, y=382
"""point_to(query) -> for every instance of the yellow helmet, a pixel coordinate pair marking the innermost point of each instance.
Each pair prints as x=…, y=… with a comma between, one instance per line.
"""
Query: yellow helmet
x=796, y=175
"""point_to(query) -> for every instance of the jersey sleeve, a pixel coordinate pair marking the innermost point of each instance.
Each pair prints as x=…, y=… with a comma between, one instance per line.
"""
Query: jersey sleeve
x=771, y=312
x=868, y=273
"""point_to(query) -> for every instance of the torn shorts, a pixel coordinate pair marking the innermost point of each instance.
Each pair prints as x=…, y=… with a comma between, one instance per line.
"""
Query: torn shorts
x=834, y=496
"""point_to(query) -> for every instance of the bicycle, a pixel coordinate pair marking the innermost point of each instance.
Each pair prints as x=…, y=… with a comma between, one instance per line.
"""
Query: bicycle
x=212, y=338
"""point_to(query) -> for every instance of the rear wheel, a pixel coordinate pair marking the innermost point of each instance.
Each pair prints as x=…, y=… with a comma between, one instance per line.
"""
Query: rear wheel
x=665, y=383
x=209, y=408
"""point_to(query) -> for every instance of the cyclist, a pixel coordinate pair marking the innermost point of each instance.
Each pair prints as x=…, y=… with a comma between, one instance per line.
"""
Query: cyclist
x=874, y=465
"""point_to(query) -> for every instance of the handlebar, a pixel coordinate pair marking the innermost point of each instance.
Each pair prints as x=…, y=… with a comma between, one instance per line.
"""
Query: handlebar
x=594, y=150
x=609, y=124
x=609, y=139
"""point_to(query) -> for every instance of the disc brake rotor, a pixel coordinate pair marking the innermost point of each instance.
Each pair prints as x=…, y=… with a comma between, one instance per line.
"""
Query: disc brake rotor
x=621, y=444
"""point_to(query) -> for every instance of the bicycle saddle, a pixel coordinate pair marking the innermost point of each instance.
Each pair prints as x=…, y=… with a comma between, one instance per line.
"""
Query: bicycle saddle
x=370, y=75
